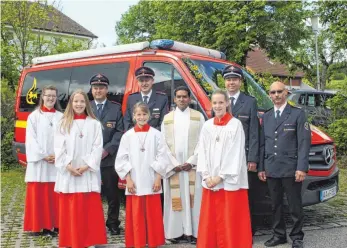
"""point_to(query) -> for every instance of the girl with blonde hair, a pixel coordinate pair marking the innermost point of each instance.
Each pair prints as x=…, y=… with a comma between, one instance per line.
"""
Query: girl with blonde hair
x=41, y=203
x=78, y=148
x=142, y=160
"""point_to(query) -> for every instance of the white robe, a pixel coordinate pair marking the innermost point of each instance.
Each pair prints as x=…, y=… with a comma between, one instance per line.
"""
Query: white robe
x=225, y=158
x=177, y=223
x=70, y=148
x=39, y=144
x=143, y=166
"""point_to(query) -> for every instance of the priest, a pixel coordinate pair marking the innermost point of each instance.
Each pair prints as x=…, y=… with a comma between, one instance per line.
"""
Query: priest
x=182, y=186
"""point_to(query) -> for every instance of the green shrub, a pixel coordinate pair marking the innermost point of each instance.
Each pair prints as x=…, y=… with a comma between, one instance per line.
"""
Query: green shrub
x=339, y=76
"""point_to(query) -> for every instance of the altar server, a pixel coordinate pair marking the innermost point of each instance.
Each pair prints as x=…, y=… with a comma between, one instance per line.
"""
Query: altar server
x=225, y=218
x=41, y=203
x=78, y=149
x=142, y=160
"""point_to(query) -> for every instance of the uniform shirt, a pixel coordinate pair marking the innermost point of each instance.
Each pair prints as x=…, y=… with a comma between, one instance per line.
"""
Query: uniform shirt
x=142, y=165
x=221, y=153
x=103, y=103
x=39, y=144
x=280, y=109
x=236, y=96
x=149, y=96
x=71, y=148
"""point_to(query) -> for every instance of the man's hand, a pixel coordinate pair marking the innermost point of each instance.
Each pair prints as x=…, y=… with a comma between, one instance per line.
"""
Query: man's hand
x=104, y=154
x=252, y=166
x=262, y=176
x=73, y=171
x=177, y=169
x=186, y=167
x=83, y=169
x=300, y=176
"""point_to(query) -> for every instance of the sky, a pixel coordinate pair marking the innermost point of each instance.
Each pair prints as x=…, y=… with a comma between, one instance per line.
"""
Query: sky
x=98, y=16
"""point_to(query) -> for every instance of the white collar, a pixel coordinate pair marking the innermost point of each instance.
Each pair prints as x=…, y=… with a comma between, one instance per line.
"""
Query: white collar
x=184, y=112
x=103, y=102
x=236, y=95
x=149, y=95
x=280, y=109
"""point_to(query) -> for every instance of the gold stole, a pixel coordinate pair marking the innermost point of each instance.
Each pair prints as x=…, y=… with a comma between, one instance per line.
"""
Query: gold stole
x=193, y=138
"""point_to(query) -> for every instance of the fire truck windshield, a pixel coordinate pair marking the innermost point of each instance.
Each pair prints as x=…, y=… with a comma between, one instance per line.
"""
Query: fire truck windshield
x=209, y=75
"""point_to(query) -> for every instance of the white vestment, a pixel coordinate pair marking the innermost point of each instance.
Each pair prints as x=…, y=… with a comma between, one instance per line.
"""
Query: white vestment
x=71, y=148
x=177, y=223
x=39, y=144
x=225, y=158
x=143, y=165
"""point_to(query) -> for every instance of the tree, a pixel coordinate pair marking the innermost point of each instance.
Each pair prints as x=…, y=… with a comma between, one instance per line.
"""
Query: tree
x=231, y=27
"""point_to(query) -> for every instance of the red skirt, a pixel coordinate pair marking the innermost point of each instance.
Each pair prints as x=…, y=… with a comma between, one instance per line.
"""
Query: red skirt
x=81, y=220
x=144, y=221
x=224, y=220
x=41, y=207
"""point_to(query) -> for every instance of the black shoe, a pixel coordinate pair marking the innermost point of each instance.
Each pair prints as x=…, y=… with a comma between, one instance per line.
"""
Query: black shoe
x=274, y=241
x=193, y=240
x=174, y=240
x=114, y=230
x=48, y=233
x=56, y=230
x=298, y=244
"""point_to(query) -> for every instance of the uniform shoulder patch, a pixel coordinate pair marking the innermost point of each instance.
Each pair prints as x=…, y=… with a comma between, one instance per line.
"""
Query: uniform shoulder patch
x=307, y=125
x=161, y=93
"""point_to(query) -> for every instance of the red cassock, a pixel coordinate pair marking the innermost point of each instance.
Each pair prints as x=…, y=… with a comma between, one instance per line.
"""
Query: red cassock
x=224, y=220
x=41, y=207
x=144, y=221
x=81, y=220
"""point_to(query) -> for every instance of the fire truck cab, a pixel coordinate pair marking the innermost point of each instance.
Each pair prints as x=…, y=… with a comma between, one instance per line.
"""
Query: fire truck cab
x=175, y=64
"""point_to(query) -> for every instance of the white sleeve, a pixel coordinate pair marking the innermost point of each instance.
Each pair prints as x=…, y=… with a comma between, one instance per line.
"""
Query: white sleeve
x=202, y=166
x=193, y=160
x=93, y=159
x=162, y=161
x=234, y=158
x=61, y=157
x=122, y=164
x=33, y=149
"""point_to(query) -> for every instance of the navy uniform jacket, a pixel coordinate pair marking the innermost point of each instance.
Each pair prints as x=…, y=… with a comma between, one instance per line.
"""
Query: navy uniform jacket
x=158, y=105
x=245, y=109
x=285, y=145
x=112, y=129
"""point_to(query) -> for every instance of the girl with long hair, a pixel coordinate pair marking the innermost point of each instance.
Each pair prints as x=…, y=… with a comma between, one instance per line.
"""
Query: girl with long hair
x=78, y=148
x=222, y=164
x=142, y=160
x=41, y=203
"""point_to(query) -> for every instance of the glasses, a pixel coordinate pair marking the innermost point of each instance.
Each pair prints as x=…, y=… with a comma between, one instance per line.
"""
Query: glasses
x=50, y=96
x=273, y=92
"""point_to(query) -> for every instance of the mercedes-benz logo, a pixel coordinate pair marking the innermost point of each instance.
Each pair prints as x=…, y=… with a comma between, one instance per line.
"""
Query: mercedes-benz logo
x=328, y=154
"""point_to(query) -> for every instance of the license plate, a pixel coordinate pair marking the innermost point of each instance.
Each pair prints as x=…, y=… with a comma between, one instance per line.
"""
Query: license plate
x=327, y=194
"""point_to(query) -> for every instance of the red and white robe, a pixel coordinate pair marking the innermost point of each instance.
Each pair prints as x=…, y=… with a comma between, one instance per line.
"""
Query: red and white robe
x=225, y=218
x=143, y=153
x=41, y=202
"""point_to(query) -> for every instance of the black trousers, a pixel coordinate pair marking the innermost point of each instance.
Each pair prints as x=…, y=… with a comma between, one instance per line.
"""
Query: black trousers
x=277, y=187
x=252, y=195
x=110, y=189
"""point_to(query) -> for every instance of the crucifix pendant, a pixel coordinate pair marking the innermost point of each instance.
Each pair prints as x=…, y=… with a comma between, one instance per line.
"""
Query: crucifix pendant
x=81, y=135
x=217, y=139
x=142, y=149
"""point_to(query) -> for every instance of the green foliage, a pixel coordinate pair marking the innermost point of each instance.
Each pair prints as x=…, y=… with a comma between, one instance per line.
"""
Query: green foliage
x=265, y=79
x=228, y=26
x=7, y=124
x=338, y=76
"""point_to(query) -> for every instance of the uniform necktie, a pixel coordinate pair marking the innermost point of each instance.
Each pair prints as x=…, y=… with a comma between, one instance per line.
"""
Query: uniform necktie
x=99, y=109
x=232, y=103
x=277, y=115
x=145, y=99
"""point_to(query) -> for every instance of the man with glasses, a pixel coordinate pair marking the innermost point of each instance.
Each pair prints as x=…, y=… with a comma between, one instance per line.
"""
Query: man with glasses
x=244, y=108
x=284, y=151
x=156, y=101
x=110, y=115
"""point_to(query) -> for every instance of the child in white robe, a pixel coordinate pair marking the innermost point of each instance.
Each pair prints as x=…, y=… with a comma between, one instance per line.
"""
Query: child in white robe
x=142, y=160
x=41, y=203
x=78, y=149
x=222, y=164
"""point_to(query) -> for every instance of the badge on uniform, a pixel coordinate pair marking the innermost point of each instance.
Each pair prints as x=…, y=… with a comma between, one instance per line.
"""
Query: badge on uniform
x=110, y=124
x=156, y=113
